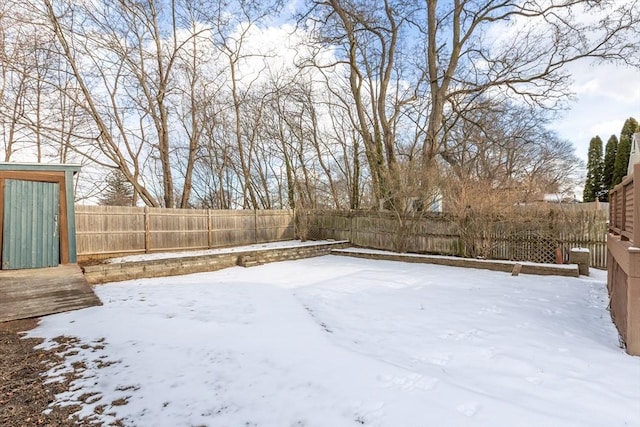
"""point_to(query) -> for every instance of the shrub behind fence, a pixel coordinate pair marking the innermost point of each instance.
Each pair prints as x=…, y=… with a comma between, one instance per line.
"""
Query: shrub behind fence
x=527, y=234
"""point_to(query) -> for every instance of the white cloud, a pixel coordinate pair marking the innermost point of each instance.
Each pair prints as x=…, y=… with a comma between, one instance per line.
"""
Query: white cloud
x=607, y=128
x=606, y=95
x=591, y=86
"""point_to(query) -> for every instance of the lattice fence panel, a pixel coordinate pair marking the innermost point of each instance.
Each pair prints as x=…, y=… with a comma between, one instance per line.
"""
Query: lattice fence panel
x=532, y=246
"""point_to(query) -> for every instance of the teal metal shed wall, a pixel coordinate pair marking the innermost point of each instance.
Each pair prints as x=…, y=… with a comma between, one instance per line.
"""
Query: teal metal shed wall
x=31, y=237
x=69, y=171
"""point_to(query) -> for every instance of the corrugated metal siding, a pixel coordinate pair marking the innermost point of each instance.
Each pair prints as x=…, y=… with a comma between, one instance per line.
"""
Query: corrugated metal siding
x=31, y=237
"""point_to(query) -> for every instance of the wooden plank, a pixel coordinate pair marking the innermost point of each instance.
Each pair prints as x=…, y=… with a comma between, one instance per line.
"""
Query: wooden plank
x=147, y=230
x=101, y=229
x=636, y=205
x=1, y=217
x=209, y=229
x=623, y=205
x=37, y=292
x=33, y=176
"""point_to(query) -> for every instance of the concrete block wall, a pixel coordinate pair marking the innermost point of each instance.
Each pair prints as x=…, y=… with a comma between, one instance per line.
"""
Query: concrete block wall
x=103, y=273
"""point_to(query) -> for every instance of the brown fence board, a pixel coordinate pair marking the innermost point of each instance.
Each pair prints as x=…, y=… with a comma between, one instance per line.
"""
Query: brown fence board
x=107, y=230
x=624, y=258
x=536, y=240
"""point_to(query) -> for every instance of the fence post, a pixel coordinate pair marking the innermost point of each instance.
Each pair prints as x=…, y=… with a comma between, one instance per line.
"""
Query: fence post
x=209, y=229
x=623, y=202
x=351, y=226
x=255, y=225
x=293, y=215
x=580, y=256
x=147, y=231
x=295, y=223
x=636, y=205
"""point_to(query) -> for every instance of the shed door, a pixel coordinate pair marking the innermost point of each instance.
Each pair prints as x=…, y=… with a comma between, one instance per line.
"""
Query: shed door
x=30, y=228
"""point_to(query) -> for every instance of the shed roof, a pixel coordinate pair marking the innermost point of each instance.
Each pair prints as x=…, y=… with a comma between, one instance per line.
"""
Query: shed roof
x=42, y=167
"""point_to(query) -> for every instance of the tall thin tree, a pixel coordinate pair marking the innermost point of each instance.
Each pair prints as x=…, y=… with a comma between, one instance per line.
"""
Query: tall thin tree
x=630, y=127
x=593, y=184
x=609, y=163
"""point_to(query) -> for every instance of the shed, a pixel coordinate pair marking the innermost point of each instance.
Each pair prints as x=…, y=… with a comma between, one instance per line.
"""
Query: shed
x=38, y=270
x=37, y=227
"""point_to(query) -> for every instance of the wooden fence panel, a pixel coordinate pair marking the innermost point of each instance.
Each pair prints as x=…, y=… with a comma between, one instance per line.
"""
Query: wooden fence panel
x=109, y=230
x=336, y=224
x=238, y=229
x=171, y=229
x=533, y=240
x=628, y=208
x=273, y=225
x=104, y=231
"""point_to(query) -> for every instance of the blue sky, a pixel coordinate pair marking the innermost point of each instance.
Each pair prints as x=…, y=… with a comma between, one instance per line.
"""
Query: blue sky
x=606, y=95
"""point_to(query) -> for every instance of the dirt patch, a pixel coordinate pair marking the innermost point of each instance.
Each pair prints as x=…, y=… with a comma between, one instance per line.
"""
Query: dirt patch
x=24, y=397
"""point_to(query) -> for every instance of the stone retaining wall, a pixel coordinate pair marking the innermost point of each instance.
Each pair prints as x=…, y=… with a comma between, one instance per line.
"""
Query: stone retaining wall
x=103, y=273
x=252, y=258
x=506, y=266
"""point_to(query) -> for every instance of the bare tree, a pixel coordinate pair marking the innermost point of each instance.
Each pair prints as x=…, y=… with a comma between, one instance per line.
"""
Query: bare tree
x=504, y=145
x=32, y=107
x=408, y=88
x=370, y=38
x=17, y=69
x=515, y=49
x=127, y=79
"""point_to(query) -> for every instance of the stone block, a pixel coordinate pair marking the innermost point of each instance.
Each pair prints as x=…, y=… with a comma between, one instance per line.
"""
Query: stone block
x=581, y=257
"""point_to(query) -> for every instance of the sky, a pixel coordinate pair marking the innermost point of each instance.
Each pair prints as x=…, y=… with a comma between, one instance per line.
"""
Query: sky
x=606, y=95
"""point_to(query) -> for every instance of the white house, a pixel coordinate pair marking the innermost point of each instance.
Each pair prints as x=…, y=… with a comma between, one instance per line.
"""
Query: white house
x=634, y=157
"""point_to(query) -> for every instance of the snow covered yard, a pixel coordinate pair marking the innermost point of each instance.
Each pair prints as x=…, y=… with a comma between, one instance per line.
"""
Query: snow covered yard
x=336, y=341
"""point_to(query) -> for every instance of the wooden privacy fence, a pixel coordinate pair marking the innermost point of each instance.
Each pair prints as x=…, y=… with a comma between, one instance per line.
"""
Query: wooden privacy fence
x=623, y=245
x=535, y=238
x=104, y=231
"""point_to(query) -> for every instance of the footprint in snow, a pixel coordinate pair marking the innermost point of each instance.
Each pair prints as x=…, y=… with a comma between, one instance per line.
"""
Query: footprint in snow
x=368, y=413
x=490, y=310
x=534, y=380
x=470, y=335
x=410, y=382
x=441, y=359
x=469, y=408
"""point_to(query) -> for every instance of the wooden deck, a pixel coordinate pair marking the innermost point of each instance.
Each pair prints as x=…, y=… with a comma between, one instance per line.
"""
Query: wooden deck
x=38, y=292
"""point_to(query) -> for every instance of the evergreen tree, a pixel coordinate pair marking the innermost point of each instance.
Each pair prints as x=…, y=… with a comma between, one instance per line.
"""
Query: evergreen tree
x=119, y=191
x=624, y=150
x=607, y=170
x=593, y=184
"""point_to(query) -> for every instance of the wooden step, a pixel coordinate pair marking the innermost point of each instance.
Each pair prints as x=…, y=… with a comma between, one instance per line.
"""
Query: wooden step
x=38, y=292
x=248, y=261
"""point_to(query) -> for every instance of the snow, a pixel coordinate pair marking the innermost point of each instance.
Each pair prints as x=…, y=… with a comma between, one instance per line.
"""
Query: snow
x=248, y=248
x=583, y=250
x=338, y=341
